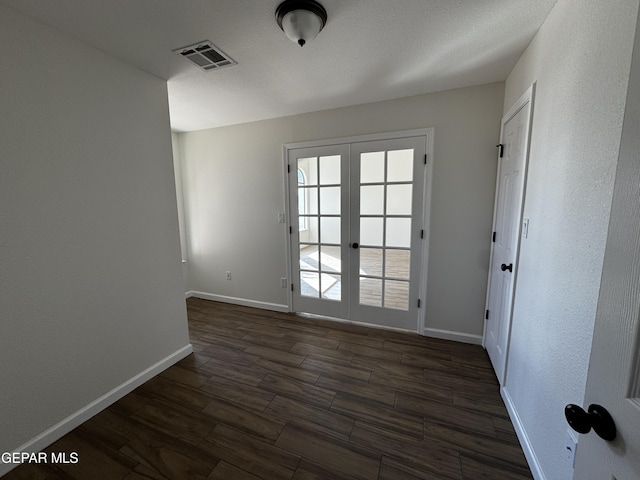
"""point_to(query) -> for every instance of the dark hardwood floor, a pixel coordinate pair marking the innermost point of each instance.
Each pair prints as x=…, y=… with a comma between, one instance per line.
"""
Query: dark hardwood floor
x=275, y=396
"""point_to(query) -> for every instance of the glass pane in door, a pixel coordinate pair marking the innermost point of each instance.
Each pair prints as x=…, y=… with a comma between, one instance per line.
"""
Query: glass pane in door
x=330, y=258
x=397, y=263
x=330, y=230
x=309, y=258
x=372, y=200
x=371, y=232
x=309, y=284
x=330, y=170
x=400, y=165
x=371, y=262
x=399, y=199
x=396, y=294
x=398, y=232
x=371, y=291
x=330, y=200
x=372, y=167
x=309, y=167
x=331, y=286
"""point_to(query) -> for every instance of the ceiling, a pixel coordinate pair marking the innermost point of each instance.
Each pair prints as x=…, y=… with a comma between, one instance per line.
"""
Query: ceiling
x=370, y=50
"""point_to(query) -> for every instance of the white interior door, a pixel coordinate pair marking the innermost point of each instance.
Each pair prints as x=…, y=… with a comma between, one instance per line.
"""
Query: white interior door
x=512, y=169
x=614, y=369
x=357, y=230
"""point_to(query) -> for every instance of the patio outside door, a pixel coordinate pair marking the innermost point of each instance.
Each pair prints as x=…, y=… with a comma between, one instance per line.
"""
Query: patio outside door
x=357, y=229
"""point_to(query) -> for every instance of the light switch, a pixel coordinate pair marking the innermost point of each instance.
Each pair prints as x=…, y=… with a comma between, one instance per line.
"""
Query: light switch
x=525, y=227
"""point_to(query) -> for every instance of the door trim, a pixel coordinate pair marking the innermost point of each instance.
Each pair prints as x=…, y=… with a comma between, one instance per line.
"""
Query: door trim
x=527, y=97
x=419, y=132
x=422, y=132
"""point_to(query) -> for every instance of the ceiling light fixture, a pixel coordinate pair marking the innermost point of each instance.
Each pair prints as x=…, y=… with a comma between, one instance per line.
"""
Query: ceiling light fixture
x=301, y=20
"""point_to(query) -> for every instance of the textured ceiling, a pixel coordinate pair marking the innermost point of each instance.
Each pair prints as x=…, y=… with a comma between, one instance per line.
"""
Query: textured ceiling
x=370, y=50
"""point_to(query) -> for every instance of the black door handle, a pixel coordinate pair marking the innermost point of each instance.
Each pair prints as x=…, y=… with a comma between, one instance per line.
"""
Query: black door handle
x=509, y=267
x=355, y=245
x=597, y=418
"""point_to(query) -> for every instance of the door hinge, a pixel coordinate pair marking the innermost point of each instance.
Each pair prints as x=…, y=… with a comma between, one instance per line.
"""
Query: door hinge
x=425, y=158
x=421, y=233
x=288, y=168
x=419, y=303
x=493, y=238
x=292, y=287
x=501, y=147
x=290, y=230
x=486, y=314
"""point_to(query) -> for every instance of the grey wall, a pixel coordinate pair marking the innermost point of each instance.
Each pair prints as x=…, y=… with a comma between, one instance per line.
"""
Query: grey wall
x=580, y=59
x=90, y=283
x=234, y=186
x=177, y=171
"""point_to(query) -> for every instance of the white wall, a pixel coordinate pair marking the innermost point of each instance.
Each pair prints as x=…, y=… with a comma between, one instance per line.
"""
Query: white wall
x=90, y=284
x=234, y=187
x=177, y=171
x=580, y=59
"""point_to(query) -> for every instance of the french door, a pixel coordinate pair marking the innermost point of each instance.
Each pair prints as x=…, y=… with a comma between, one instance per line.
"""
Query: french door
x=357, y=229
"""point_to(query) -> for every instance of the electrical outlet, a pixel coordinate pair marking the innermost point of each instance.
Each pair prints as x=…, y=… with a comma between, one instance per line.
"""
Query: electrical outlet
x=228, y=275
x=283, y=282
x=280, y=217
x=571, y=443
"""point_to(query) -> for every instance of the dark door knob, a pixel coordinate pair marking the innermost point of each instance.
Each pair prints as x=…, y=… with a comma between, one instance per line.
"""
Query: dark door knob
x=505, y=267
x=354, y=245
x=597, y=418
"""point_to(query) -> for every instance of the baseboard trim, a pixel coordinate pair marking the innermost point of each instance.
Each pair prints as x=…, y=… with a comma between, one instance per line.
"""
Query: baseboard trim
x=276, y=307
x=455, y=336
x=529, y=454
x=46, y=438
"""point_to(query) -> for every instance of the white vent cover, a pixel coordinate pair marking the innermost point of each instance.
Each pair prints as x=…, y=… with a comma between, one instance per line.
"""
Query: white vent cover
x=206, y=56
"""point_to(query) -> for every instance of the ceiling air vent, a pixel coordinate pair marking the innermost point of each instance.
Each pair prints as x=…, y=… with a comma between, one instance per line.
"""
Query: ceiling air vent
x=206, y=56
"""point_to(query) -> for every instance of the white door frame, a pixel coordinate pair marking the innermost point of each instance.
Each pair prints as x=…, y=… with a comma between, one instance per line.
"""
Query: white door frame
x=425, y=132
x=527, y=97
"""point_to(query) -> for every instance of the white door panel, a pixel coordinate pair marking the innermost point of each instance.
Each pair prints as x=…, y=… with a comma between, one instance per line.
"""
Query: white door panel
x=613, y=380
x=318, y=229
x=387, y=185
x=507, y=219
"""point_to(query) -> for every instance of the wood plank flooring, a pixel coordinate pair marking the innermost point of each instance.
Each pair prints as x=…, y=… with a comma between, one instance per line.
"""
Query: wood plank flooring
x=275, y=396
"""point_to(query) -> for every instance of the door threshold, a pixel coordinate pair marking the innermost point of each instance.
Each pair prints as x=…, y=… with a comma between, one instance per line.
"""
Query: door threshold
x=315, y=316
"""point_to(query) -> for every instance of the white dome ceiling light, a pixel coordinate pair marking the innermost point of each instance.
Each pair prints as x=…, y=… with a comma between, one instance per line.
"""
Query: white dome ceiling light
x=301, y=20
